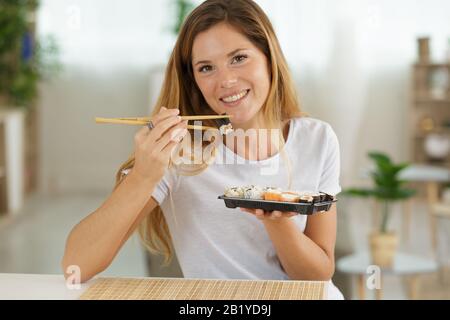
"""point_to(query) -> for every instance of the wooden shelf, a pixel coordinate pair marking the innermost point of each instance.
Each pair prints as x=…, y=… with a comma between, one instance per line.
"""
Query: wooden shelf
x=442, y=130
x=427, y=111
x=431, y=101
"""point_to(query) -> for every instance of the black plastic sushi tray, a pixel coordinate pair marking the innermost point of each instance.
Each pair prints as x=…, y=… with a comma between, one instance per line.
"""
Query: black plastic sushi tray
x=300, y=208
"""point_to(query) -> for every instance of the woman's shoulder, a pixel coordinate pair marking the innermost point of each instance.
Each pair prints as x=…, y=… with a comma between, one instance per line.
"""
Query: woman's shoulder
x=312, y=126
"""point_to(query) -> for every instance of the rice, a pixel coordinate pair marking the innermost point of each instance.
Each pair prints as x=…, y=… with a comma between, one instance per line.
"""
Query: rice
x=226, y=129
x=234, y=192
x=253, y=192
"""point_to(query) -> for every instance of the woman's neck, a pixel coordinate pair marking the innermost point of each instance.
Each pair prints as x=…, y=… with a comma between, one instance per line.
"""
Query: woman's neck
x=263, y=147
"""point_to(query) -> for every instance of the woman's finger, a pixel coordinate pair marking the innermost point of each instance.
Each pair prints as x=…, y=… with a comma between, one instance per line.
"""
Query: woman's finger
x=175, y=134
x=272, y=215
x=167, y=151
x=259, y=212
x=158, y=131
x=164, y=113
x=291, y=214
x=277, y=214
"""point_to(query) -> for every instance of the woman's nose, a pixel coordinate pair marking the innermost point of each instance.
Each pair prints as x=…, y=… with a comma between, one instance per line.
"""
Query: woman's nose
x=228, y=80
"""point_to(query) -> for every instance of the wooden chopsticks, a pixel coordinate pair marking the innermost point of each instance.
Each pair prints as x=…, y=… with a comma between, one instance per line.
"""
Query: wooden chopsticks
x=141, y=121
x=204, y=117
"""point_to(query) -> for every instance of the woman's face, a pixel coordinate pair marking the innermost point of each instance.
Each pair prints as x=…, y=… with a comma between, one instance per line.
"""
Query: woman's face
x=231, y=72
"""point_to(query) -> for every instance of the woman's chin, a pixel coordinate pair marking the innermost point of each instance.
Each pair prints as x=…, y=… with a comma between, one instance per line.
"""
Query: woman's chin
x=238, y=118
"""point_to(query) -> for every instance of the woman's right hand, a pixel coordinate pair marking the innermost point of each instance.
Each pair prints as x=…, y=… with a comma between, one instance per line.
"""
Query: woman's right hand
x=153, y=148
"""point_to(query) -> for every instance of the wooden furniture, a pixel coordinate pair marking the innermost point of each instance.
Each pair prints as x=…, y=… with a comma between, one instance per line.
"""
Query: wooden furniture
x=441, y=212
x=404, y=265
x=430, y=109
x=432, y=177
x=11, y=159
x=196, y=289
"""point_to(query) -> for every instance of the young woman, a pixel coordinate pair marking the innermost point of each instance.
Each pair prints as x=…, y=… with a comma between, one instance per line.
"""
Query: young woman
x=227, y=60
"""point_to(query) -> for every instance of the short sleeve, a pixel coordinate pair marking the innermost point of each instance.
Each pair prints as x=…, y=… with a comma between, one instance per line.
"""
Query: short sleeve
x=162, y=189
x=165, y=186
x=329, y=179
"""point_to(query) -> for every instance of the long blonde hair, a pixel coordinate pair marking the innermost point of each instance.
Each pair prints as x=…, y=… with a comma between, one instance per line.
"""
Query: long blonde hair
x=180, y=90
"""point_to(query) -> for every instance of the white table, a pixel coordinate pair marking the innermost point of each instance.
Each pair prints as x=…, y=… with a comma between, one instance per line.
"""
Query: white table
x=404, y=265
x=432, y=176
x=15, y=286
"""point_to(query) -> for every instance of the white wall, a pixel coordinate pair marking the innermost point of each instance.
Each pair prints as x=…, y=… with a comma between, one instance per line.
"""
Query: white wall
x=351, y=60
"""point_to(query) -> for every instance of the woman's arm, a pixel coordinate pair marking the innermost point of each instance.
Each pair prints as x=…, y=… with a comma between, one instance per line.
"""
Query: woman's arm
x=95, y=241
x=308, y=255
x=304, y=256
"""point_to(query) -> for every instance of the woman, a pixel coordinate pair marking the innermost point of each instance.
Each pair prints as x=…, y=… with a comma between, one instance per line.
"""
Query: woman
x=227, y=59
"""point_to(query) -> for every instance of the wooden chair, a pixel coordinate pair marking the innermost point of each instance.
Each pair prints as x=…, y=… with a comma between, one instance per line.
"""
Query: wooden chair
x=441, y=213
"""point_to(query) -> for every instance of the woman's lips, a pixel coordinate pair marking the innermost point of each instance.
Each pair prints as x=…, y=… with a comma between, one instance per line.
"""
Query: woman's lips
x=237, y=102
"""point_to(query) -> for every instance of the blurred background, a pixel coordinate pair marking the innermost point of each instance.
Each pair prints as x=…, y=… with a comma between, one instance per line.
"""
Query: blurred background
x=377, y=71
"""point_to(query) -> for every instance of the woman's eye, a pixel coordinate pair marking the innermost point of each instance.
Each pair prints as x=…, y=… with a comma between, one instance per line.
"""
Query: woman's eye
x=239, y=58
x=204, y=69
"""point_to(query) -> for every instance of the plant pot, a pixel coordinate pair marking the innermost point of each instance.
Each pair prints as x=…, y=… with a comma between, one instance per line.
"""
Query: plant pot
x=382, y=248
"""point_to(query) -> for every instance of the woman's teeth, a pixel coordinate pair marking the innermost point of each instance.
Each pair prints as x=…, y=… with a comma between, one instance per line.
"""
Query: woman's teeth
x=235, y=97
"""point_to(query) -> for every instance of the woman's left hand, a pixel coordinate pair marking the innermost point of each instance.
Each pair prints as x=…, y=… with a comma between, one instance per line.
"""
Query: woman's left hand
x=271, y=215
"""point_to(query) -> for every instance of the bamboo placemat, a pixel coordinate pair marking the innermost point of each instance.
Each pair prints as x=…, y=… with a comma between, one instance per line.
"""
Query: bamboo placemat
x=193, y=289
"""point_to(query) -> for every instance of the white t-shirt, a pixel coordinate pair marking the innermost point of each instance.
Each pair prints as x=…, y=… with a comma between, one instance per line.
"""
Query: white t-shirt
x=214, y=242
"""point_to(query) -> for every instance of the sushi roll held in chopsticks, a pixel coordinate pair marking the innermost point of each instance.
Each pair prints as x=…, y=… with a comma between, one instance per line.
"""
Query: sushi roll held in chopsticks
x=225, y=126
x=226, y=129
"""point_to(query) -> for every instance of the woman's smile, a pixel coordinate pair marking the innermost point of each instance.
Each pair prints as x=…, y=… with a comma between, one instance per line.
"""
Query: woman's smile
x=234, y=100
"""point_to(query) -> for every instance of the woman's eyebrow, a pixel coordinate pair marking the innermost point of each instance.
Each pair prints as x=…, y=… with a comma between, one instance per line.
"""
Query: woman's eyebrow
x=232, y=53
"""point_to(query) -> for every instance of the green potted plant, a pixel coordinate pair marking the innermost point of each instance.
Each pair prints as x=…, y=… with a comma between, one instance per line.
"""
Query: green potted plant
x=387, y=189
x=182, y=9
x=24, y=59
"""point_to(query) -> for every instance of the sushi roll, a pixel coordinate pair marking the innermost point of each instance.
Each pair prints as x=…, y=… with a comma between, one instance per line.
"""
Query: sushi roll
x=315, y=196
x=306, y=197
x=234, y=192
x=329, y=197
x=224, y=125
x=272, y=194
x=323, y=196
x=253, y=192
x=226, y=129
x=290, y=197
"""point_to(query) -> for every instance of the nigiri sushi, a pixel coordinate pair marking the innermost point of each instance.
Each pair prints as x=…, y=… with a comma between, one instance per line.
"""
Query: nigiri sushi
x=290, y=197
x=272, y=194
